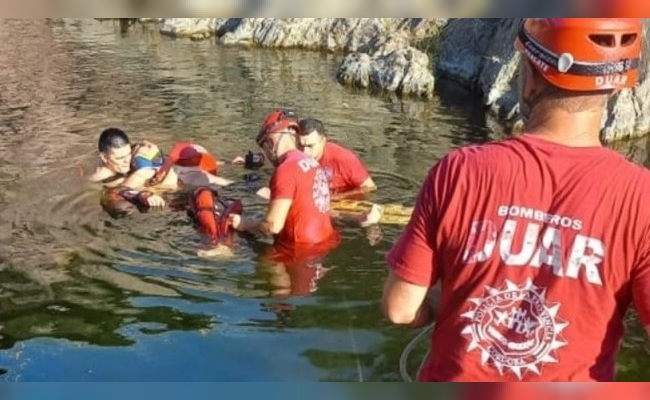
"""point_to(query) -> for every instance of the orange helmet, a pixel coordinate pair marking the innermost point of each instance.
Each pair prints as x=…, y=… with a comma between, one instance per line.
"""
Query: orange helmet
x=583, y=54
x=277, y=121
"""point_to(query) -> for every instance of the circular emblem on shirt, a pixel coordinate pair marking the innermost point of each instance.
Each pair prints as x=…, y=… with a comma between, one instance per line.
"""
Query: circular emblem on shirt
x=329, y=173
x=514, y=329
x=321, y=191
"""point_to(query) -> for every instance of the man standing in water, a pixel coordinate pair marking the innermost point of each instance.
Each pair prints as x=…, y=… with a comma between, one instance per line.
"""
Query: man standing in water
x=299, y=212
x=299, y=216
x=540, y=242
x=346, y=173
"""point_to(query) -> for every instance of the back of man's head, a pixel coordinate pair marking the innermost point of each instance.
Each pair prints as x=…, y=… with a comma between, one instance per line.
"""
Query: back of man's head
x=576, y=63
x=112, y=138
x=309, y=125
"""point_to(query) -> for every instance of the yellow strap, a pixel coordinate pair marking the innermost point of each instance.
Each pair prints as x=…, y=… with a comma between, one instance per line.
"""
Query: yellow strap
x=394, y=214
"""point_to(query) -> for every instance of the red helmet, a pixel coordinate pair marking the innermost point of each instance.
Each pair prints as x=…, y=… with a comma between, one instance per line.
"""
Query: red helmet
x=583, y=54
x=277, y=121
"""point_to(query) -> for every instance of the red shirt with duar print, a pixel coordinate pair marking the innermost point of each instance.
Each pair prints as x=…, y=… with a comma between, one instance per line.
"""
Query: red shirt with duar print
x=540, y=249
x=300, y=179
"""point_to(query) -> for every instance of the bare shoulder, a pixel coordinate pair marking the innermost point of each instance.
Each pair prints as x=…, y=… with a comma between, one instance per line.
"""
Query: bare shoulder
x=101, y=173
x=138, y=179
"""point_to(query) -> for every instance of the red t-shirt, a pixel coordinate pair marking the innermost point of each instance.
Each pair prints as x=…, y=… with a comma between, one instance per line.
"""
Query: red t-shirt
x=344, y=169
x=540, y=249
x=300, y=179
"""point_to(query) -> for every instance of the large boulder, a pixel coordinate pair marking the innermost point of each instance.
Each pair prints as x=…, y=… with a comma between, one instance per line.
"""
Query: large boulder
x=394, y=67
x=193, y=28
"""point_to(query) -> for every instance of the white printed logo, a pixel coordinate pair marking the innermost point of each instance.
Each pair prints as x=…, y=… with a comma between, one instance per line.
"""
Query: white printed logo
x=321, y=191
x=609, y=80
x=514, y=329
x=329, y=173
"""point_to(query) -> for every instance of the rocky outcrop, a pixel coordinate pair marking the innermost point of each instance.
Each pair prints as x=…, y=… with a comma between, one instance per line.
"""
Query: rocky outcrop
x=364, y=35
x=387, y=54
x=380, y=52
x=192, y=28
x=394, y=67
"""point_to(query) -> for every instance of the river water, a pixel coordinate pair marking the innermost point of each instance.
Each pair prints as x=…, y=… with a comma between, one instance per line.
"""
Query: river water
x=87, y=297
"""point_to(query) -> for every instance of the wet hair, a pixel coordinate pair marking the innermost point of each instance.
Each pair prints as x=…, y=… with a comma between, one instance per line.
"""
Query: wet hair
x=112, y=138
x=308, y=125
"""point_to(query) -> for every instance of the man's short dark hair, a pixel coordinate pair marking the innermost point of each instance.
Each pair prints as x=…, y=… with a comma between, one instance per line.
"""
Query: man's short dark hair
x=112, y=138
x=308, y=125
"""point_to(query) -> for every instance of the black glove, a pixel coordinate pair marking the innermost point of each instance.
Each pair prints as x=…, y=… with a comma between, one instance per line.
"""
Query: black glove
x=253, y=161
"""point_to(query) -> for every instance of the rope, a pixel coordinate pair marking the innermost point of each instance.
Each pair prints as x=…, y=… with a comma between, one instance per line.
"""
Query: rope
x=424, y=332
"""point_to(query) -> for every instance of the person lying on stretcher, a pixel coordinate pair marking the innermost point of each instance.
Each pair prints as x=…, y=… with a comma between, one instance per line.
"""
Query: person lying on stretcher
x=142, y=164
x=209, y=213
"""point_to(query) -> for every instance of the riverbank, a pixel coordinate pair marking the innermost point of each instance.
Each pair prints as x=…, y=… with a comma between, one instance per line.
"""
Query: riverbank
x=407, y=55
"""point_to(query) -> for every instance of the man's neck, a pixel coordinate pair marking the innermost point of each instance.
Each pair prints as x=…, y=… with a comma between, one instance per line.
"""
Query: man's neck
x=284, y=150
x=578, y=129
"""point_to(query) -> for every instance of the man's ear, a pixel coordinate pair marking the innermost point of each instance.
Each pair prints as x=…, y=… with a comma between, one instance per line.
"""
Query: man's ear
x=532, y=81
x=103, y=157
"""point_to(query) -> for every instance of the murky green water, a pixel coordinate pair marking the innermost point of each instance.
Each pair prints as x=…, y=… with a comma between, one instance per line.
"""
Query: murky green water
x=85, y=297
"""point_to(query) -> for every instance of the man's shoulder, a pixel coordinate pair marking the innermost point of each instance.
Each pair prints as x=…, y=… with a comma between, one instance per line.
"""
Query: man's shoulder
x=636, y=174
x=339, y=151
x=494, y=153
x=470, y=161
x=291, y=162
x=101, y=173
x=476, y=153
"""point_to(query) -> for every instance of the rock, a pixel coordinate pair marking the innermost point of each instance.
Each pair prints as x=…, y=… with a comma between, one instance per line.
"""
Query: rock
x=193, y=28
x=497, y=79
x=629, y=114
x=355, y=70
x=462, y=48
x=394, y=67
x=334, y=34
